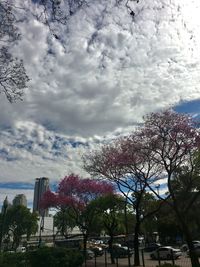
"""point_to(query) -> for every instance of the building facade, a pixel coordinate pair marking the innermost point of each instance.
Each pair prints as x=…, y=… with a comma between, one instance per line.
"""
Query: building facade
x=41, y=186
x=20, y=200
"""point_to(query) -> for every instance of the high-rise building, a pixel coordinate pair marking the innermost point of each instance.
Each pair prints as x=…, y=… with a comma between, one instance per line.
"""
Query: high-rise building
x=6, y=205
x=20, y=200
x=41, y=186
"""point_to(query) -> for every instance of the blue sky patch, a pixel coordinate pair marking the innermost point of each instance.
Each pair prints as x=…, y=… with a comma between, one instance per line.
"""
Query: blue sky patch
x=188, y=107
x=17, y=185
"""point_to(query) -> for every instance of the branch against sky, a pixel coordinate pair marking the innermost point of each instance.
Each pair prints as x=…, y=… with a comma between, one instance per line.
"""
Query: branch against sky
x=53, y=13
x=13, y=77
x=128, y=164
x=174, y=139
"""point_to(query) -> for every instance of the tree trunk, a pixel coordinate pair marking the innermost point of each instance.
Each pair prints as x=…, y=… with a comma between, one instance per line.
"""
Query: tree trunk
x=136, y=245
x=186, y=231
x=110, y=245
x=127, y=232
x=85, y=237
x=193, y=257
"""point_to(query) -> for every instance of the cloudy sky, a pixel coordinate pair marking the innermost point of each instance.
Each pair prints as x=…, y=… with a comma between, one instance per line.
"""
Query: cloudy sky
x=107, y=70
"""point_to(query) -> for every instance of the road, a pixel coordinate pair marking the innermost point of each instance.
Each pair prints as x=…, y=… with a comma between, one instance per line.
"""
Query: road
x=183, y=261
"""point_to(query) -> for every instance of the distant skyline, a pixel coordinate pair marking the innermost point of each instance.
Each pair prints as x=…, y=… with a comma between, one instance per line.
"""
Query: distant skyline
x=108, y=71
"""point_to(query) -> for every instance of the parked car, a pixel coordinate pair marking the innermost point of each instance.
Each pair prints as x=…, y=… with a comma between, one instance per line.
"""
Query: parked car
x=98, y=251
x=89, y=254
x=151, y=247
x=184, y=247
x=196, y=250
x=120, y=251
x=128, y=243
x=165, y=253
x=98, y=241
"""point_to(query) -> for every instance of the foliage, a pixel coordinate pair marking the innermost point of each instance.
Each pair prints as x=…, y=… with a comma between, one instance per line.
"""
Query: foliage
x=64, y=222
x=76, y=192
x=110, y=211
x=43, y=257
x=127, y=163
x=74, y=195
x=12, y=260
x=165, y=146
x=55, y=257
x=167, y=225
x=173, y=140
x=13, y=78
x=20, y=221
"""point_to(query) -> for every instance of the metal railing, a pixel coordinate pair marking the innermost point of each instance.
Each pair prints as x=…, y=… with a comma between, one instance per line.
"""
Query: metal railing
x=145, y=260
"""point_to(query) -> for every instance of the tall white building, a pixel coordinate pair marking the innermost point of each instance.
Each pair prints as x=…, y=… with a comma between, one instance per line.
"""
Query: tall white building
x=41, y=186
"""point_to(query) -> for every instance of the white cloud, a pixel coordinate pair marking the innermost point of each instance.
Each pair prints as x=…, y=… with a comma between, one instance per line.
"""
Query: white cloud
x=108, y=72
x=113, y=70
x=30, y=151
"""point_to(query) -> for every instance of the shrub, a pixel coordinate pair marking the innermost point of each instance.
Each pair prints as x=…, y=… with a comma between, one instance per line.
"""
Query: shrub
x=54, y=257
x=12, y=259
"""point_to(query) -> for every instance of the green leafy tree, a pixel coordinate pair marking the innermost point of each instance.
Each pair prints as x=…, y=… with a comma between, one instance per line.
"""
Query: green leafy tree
x=150, y=207
x=110, y=211
x=64, y=221
x=20, y=221
x=167, y=225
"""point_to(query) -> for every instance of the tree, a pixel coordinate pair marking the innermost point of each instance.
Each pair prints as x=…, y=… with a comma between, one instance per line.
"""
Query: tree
x=110, y=211
x=13, y=77
x=174, y=139
x=53, y=13
x=20, y=221
x=57, y=12
x=168, y=226
x=75, y=194
x=64, y=222
x=127, y=163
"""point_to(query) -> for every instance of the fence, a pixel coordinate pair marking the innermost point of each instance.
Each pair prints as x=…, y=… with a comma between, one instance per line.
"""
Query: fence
x=145, y=261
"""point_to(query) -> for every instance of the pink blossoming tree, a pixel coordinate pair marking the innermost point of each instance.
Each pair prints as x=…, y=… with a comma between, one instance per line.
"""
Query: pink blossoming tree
x=127, y=163
x=166, y=143
x=75, y=195
x=173, y=139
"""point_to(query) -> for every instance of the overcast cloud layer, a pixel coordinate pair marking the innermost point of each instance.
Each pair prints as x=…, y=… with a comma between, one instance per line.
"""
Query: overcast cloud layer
x=109, y=71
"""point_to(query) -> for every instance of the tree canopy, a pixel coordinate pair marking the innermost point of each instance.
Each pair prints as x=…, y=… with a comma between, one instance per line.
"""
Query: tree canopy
x=74, y=196
x=165, y=150
x=19, y=221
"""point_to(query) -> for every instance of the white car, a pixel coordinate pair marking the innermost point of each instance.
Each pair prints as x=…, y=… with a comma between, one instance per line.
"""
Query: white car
x=184, y=247
x=165, y=253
